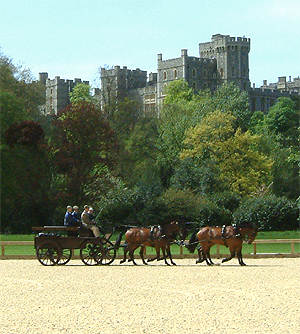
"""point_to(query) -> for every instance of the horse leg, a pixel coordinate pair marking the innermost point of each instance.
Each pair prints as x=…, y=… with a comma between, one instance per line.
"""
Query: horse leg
x=232, y=254
x=131, y=254
x=125, y=252
x=142, y=254
x=170, y=256
x=163, y=248
x=200, y=255
x=156, y=257
x=209, y=258
x=240, y=257
x=205, y=252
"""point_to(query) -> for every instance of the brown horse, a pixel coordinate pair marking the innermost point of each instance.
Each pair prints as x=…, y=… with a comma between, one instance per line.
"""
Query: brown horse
x=141, y=237
x=232, y=237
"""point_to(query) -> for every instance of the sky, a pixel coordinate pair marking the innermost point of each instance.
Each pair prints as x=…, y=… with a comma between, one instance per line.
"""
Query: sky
x=73, y=38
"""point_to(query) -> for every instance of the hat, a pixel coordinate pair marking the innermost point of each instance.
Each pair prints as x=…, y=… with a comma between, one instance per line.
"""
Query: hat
x=75, y=207
x=69, y=207
x=86, y=207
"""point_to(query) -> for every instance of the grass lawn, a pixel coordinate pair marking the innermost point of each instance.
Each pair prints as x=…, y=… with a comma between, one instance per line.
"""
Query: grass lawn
x=260, y=248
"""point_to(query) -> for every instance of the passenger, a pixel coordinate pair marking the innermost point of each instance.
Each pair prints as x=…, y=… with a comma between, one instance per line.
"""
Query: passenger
x=76, y=216
x=88, y=223
x=68, y=221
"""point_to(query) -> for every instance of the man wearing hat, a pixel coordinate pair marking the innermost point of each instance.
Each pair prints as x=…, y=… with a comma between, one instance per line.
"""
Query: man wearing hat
x=68, y=221
x=88, y=223
x=76, y=216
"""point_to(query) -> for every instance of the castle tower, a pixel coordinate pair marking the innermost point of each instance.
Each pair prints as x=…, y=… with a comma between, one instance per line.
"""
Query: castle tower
x=116, y=82
x=231, y=54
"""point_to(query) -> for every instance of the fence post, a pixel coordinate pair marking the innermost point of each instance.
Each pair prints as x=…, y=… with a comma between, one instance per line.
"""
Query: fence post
x=254, y=248
x=181, y=250
x=218, y=251
x=2, y=250
x=292, y=247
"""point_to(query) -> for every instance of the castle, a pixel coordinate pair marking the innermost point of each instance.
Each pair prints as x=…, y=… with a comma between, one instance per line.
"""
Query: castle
x=222, y=60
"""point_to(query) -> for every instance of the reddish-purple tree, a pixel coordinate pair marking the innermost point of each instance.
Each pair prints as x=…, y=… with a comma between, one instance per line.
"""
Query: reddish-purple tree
x=83, y=139
x=27, y=133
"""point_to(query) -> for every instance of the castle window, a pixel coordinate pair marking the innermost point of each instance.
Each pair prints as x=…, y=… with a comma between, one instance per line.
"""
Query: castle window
x=165, y=75
x=232, y=70
x=175, y=74
x=194, y=72
x=194, y=85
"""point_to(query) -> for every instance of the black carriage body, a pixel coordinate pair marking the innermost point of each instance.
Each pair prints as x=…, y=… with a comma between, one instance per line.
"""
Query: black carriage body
x=54, y=246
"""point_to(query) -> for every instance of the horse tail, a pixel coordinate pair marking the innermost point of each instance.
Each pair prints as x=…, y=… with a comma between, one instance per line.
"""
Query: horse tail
x=118, y=241
x=191, y=246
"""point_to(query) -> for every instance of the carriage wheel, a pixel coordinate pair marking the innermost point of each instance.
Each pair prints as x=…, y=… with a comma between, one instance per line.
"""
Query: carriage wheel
x=65, y=256
x=48, y=254
x=90, y=253
x=108, y=253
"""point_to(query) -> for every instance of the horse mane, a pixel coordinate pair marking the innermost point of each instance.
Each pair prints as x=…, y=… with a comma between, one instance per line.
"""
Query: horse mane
x=191, y=246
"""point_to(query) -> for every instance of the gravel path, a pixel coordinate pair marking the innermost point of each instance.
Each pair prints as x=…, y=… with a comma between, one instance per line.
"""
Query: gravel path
x=263, y=297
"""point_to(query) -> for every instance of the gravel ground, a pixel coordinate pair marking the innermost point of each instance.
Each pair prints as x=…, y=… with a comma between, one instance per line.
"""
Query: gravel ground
x=263, y=297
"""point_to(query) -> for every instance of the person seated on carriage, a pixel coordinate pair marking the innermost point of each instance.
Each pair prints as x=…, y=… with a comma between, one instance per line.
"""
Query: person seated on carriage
x=76, y=216
x=88, y=222
x=68, y=220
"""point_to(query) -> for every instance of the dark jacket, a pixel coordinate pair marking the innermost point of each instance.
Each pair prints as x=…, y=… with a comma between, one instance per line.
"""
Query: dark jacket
x=69, y=219
x=76, y=218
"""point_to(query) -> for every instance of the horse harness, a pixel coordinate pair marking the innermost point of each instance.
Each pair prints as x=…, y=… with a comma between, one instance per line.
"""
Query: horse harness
x=236, y=233
x=159, y=235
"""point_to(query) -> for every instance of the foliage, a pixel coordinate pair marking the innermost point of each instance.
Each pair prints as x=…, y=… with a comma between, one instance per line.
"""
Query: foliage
x=202, y=178
x=283, y=121
x=184, y=205
x=83, y=139
x=228, y=98
x=242, y=166
x=227, y=200
x=178, y=91
x=268, y=213
x=25, y=133
x=80, y=94
x=19, y=82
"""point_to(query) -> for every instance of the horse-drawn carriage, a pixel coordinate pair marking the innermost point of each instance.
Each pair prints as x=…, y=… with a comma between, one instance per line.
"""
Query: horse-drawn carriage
x=55, y=245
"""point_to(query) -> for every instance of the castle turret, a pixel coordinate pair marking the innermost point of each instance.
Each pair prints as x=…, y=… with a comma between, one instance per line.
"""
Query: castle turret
x=43, y=76
x=231, y=54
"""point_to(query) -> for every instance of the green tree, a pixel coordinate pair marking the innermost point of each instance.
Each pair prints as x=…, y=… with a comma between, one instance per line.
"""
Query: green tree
x=81, y=93
x=242, y=166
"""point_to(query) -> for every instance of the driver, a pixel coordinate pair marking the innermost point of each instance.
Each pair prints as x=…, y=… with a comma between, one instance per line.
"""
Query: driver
x=88, y=222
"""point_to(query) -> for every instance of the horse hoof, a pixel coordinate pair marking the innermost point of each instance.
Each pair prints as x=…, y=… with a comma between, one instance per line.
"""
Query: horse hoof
x=174, y=264
x=122, y=261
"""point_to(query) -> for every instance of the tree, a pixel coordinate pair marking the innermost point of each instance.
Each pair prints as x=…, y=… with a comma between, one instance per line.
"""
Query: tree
x=178, y=91
x=283, y=121
x=81, y=93
x=242, y=166
x=229, y=98
x=84, y=139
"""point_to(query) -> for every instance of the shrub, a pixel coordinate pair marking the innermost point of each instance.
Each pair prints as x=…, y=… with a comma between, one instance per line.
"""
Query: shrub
x=268, y=213
x=184, y=205
x=227, y=200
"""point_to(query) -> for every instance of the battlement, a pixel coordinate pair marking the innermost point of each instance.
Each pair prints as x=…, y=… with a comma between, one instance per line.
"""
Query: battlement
x=229, y=39
x=117, y=70
x=58, y=81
